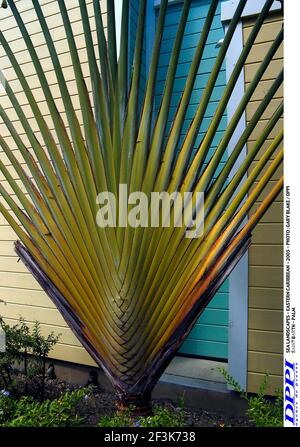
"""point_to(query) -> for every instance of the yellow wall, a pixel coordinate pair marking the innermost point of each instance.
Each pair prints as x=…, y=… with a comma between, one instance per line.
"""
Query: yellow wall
x=21, y=294
x=265, y=339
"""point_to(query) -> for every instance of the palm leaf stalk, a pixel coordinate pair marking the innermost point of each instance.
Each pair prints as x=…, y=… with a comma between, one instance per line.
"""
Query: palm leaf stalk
x=189, y=141
x=132, y=295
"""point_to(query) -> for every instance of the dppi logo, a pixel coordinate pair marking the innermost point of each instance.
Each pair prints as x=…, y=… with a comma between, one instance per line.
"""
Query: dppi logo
x=290, y=395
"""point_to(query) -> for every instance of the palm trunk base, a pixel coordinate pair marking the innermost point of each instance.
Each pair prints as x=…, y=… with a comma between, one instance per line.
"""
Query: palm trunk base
x=137, y=405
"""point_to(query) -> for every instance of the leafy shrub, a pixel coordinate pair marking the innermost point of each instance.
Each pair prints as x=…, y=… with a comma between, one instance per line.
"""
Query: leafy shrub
x=25, y=347
x=7, y=406
x=60, y=412
x=119, y=419
x=262, y=411
x=162, y=417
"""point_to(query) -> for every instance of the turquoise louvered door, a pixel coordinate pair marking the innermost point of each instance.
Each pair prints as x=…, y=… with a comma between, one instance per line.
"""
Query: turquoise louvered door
x=209, y=337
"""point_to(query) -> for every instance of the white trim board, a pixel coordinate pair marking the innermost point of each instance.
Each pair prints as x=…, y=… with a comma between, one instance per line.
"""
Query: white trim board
x=238, y=279
x=252, y=8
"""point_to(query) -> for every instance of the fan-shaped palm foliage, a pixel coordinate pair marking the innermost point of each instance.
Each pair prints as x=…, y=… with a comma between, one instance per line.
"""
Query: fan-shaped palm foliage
x=132, y=295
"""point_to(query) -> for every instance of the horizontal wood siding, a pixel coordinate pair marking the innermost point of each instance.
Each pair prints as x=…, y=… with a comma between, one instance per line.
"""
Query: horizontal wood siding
x=20, y=295
x=265, y=324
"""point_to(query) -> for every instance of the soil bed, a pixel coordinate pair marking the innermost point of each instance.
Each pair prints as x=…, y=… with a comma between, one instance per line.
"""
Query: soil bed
x=102, y=403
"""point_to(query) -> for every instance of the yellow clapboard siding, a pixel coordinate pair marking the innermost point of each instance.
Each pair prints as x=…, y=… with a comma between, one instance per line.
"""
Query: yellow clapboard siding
x=259, y=51
x=47, y=66
x=19, y=280
x=69, y=350
x=266, y=319
x=263, y=341
x=266, y=298
x=49, y=9
x=20, y=293
x=276, y=176
x=6, y=247
x=32, y=79
x=263, y=148
x=33, y=313
x=11, y=264
x=274, y=213
x=265, y=276
x=256, y=379
x=268, y=233
x=38, y=94
x=14, y=119
x=266, y=191
x=7, y=234
x=260, y=127
x=265, y=362
x=271, y=72
x=9, y=189
x=19, y=46
x=251, y=109
x=73, y=354
x=269, y=31
x=3, y=223
x=273, y=17
x=26, y=297
x=46, y=329
x=266, y=253
x=16, y=200
x=44, y=108
x=12, y=170
x=263, y=88
x=53, y=21
x=261, y=197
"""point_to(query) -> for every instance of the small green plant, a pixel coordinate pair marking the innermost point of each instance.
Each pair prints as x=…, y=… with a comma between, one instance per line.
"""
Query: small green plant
x=7, y=406
x=25, y=347
x=162, y=417
x=119, y=419
x=15, y=341
x=28, y=412
x=262, y=411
